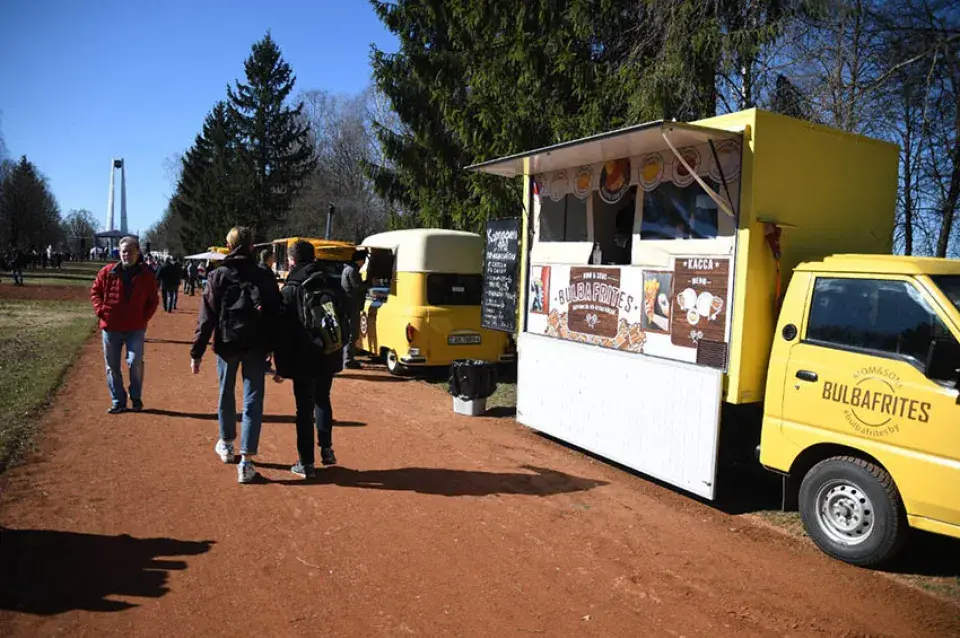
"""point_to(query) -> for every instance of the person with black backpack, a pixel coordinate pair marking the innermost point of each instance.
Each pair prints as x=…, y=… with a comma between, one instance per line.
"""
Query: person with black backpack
x=311, y=352
x=240, y=307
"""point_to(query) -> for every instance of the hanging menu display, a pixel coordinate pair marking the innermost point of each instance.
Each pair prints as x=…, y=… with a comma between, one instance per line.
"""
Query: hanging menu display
x=501, y=256
x=700, y=300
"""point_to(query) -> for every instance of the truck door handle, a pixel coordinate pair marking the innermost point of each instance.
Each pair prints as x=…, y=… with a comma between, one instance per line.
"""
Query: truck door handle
x=807, y=375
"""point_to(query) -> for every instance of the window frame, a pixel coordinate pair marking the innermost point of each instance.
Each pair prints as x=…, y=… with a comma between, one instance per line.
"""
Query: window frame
x=565, y=202
x=920, y=366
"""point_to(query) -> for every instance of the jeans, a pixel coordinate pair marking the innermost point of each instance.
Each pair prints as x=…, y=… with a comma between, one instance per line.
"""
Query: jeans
x=169, y=299
x=314, y=410
x=351, y=334
x=113, y=343
x=253, y=373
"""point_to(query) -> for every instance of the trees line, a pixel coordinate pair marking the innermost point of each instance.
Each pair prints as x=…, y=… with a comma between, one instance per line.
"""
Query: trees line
x=479, y=79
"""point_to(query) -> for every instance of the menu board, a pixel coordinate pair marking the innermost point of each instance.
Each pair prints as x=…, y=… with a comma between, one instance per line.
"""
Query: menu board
x=700, y=300
x=501, y=256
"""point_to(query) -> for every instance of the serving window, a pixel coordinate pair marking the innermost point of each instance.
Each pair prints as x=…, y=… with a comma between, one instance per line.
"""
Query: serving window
x=674, y=212
x=564, y=220
x=613, y=227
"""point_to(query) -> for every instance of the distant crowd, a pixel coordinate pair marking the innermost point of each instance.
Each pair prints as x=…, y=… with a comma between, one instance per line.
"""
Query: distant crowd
x=15, y=261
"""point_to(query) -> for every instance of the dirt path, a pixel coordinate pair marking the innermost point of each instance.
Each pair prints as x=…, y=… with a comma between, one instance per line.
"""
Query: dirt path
x=434, y=525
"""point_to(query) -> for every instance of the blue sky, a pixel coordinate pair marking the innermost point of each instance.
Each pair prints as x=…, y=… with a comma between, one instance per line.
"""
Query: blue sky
x=82, y=82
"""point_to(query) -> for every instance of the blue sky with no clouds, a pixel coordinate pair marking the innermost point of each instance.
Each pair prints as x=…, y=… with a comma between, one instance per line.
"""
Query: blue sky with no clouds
x=85, y=81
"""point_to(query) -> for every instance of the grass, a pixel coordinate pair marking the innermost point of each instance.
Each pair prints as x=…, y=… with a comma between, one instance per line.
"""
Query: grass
x=38, y=342
x=72, y=274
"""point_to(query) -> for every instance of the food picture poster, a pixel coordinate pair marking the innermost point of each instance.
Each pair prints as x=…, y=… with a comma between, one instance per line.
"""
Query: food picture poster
x=631, y=308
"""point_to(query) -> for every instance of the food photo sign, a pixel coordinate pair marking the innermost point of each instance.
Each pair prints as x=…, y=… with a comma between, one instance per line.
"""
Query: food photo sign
x=658, y=312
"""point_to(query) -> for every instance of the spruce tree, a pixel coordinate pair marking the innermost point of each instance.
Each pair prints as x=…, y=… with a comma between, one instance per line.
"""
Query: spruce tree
x=29, y=213
x=275, y=146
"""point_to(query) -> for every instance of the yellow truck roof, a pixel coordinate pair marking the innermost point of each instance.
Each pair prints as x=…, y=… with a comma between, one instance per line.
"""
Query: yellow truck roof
x=884, y=264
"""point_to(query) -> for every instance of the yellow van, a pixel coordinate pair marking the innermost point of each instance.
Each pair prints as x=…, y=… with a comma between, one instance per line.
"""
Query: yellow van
x=423, y=302
x=332, y=252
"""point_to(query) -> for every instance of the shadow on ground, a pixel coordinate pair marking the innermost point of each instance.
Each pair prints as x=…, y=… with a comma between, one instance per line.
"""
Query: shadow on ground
x=267, y=418
x=50, y=572
x=448, y=482
x=174, y=341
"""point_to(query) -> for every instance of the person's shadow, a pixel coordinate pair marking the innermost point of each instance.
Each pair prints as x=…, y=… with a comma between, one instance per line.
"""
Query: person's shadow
x=448, y=482
x=48, y=572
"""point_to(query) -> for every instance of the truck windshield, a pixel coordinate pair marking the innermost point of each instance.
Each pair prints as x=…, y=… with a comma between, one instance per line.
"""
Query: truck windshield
x=950, y=285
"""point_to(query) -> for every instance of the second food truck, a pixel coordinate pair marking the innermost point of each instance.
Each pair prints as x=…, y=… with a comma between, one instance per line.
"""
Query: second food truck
x=673, y=271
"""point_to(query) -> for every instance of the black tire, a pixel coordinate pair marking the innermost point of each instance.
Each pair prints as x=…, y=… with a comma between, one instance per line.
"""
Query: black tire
x=394, y=366
x=867, y=524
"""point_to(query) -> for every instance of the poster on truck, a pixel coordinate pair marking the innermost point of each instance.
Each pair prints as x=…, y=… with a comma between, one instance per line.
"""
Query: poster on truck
x=662, y=312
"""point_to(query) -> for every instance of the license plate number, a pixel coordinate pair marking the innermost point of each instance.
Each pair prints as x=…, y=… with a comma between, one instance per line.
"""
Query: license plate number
x=463, y=340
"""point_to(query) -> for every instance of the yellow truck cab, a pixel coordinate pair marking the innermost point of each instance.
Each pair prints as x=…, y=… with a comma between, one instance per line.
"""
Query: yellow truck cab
x=423, y=303
x=861, y=404
x=678, y=278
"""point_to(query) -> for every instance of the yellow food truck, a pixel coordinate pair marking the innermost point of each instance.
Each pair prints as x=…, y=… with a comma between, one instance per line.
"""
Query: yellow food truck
x=423, y=306
x=672, y=272
x=333, y=253
x=223, y=250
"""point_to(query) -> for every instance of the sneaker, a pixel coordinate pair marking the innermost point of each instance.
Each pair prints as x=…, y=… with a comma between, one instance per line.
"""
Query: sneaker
x=352, y=365
x=327, y=456
x=224, y=450
x=246, y=472
x=116, y=409
x=137, y=405
x=304, y=470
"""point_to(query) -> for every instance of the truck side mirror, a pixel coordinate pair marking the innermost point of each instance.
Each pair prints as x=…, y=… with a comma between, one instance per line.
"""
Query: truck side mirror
x=943, y=360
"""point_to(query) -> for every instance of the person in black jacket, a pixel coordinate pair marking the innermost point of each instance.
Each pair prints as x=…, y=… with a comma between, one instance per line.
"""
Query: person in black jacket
x=240, y=307
x=169, y=277
x=300, y=358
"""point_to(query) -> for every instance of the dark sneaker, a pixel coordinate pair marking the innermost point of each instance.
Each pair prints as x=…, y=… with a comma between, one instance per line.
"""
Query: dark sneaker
x=137, y=405
x=352, y=365
x=327, y=457
x=116, y=409
x=303, y=470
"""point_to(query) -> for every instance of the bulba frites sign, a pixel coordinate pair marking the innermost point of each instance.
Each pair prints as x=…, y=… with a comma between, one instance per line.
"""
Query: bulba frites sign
x=594, y=300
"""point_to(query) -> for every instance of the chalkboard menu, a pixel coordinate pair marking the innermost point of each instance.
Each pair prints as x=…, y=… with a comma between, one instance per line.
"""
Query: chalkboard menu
x=501, y=257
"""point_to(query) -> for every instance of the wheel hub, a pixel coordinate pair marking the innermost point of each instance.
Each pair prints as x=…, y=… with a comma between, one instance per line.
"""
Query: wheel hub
x=844, y=512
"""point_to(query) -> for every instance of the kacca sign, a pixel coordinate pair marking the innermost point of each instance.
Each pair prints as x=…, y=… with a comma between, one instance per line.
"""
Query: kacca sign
x=875, y=404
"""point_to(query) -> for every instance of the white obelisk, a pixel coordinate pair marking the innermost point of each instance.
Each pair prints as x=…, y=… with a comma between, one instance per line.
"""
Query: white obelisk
x=123, y=196
x=110, y=199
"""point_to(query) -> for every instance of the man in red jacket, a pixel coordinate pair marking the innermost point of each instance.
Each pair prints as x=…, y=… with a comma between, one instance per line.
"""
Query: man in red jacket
x=124, y=296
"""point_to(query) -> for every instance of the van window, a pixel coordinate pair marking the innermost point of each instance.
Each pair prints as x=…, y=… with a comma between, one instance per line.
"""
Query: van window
x=565, y=220
x=454, y=290
x=613, y=227
x=874, y=315
x=950, y=286
x=672, y=212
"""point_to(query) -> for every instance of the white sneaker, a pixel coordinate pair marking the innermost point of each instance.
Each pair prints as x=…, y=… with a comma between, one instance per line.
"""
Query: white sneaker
x=245, y=472
x=224, y=450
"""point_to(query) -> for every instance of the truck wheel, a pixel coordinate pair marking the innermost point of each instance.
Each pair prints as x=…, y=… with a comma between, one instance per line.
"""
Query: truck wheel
x=852, y=510
x=394, y=366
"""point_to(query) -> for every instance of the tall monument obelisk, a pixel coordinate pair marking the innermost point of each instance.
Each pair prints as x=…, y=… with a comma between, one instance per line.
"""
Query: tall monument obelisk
x=117, y=163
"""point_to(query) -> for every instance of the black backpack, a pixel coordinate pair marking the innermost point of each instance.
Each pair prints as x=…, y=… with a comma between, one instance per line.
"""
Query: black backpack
x=240, y=313
x=320, y=313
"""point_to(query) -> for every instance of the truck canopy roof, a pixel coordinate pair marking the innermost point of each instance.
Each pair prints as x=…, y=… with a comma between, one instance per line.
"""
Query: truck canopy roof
x=884, y=264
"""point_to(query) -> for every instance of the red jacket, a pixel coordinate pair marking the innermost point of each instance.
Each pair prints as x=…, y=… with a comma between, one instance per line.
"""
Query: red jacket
x=124, y=307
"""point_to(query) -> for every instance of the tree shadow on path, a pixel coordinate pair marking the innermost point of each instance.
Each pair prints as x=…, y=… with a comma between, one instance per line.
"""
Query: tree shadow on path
x=448, y=482
x=49, y=572
x=267, y=418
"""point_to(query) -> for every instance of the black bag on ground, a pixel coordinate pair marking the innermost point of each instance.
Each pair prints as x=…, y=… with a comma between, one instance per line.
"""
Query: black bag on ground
x=471, y=379
x=239, y=314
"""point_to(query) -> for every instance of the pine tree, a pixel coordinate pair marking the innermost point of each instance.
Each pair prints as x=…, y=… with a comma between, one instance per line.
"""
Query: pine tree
x=275, y=143
x=29, y=213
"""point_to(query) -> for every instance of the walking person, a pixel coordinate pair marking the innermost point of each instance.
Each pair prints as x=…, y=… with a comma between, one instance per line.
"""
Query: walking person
x=309, y=351
x=124, y=297
x=356, y=293
x=169, y=278
x=240, y=307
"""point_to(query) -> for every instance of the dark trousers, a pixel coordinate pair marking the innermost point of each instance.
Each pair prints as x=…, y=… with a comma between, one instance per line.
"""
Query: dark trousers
x=169, y=298
x=312, y=396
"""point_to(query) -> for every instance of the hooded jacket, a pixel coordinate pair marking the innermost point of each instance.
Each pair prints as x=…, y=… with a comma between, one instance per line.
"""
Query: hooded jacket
x=124, y=299
x=296, y=355
x=208, y=320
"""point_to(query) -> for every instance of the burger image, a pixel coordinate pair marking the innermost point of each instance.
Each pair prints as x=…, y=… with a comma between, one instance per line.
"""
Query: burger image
x=614, y=175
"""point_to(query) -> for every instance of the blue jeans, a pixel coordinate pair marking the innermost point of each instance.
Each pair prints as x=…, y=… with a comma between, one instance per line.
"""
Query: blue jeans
x=251, y=366
x=113, y=343
x=169, y=299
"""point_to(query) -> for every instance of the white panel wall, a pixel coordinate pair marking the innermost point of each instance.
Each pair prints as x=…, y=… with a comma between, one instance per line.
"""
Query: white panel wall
x=655, y=416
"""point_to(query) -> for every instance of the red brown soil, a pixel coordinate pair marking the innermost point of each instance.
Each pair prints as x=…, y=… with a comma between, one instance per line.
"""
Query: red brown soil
x=434, y=525
x=51, y=293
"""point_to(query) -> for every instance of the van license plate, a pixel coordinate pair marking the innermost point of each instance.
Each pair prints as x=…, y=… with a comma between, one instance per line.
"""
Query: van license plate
x=463, y=340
